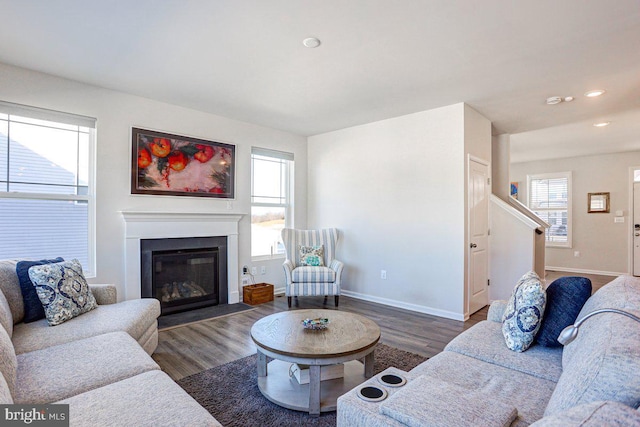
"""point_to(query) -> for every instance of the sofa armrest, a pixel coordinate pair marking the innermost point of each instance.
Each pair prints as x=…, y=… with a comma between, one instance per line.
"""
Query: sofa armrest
x=337, y=266
x=430, y=401
x=496, y=310
x=104, y=294
x=288, y=267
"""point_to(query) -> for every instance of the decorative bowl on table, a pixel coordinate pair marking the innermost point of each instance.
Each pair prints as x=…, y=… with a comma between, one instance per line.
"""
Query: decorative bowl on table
x=316, y=324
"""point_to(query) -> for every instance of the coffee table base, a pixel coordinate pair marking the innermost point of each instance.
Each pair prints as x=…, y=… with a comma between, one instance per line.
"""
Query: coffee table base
x=282, y=390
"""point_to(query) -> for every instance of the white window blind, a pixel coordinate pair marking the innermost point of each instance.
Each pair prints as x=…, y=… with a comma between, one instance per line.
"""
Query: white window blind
x=46, y=185
x=550, y=199
x=271, y=200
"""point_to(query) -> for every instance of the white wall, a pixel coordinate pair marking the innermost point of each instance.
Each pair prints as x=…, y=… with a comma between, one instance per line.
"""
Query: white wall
x=117, y=113
x=396, y=190
x=603, y=244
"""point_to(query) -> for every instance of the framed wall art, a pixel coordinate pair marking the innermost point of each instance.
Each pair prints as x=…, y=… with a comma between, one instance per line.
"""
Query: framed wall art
x=174, y=165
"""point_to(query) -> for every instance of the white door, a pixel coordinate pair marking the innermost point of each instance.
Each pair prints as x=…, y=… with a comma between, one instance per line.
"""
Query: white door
x=636, y=228
x=478, y=268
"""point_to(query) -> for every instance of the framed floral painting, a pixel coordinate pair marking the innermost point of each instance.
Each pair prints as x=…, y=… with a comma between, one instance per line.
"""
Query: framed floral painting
x=167, y=164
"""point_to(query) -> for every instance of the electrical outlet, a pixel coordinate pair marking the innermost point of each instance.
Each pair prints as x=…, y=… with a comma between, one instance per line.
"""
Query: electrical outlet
x=576, y=254
x=245, y=269
x=254, y=271
x=383, y=274
x=263, y=270
x=245, y=281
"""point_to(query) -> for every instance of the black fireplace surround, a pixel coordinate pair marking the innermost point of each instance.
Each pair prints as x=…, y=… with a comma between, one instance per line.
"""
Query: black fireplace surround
x=184, y=273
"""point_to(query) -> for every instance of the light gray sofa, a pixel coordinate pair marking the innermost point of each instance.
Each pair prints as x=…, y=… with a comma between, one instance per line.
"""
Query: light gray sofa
x=99, y=362
x=477, y=380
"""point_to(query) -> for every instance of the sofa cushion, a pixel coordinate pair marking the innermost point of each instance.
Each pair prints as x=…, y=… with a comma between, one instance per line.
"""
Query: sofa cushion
x=524, y=312
x=527, y=393
x=62, y=371
x=33, y=309
x=565, y=298
x=63, y=290
x=137, y=401
x=603, y=362
x=5, y=394
x=6, y=321
x=429, y=401
x=10, y=287
x=8, y=361
x=312, y=256
x=484, y=341
x=314, y=274
x=133, y=316
x=594, y=414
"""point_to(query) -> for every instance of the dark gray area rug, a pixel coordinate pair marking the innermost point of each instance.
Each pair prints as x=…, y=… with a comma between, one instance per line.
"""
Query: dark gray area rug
x=230, y=392
x=192, y=316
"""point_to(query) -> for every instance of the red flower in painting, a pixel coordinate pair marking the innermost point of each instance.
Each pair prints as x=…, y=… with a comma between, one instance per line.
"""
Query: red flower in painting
x=178, y=161
x=144, y=158
x=160, y=147
x=205, y=154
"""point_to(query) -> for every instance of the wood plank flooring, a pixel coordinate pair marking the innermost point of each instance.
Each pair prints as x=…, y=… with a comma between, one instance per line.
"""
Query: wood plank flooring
x=189, y=349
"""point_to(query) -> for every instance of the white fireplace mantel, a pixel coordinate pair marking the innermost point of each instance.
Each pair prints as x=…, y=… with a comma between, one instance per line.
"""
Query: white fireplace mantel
x=162, y=225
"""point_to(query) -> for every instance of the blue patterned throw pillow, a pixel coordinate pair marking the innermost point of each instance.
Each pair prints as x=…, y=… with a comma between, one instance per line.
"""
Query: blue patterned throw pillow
x=524, y=312
x=32, y=306
x=63, y=290
x=565, y=298
x=312, y=256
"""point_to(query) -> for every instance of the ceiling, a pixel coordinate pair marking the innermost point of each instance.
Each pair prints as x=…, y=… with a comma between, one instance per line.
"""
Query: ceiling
x=244, y=59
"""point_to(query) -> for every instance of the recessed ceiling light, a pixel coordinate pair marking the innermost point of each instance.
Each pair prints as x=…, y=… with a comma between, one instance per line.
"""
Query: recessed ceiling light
x=601, y=124
x=594, y=93
x=553, y=100
x=311, y=42
x=568, y=98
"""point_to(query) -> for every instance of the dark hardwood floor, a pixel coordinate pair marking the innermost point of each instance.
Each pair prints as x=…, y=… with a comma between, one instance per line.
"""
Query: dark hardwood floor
x=189, y=349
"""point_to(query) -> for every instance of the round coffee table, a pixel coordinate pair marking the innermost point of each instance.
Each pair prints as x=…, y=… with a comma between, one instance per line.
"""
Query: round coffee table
x=280, y=336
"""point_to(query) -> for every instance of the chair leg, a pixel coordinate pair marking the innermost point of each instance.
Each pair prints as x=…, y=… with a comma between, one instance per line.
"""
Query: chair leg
x=289, y=301
x=337, y=297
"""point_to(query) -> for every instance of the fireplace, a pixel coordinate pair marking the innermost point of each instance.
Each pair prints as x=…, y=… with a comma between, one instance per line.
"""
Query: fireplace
x=184, y=273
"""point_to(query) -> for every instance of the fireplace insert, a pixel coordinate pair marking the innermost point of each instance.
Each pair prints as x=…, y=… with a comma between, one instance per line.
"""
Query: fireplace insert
x=184, y=273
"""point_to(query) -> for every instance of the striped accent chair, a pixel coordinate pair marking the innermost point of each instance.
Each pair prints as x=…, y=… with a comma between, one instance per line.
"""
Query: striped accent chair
x=312, y=280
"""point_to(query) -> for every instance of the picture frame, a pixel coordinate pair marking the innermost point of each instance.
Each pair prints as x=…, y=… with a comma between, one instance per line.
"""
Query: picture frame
x=598, y=202
x=513, y=191
x=165, y=164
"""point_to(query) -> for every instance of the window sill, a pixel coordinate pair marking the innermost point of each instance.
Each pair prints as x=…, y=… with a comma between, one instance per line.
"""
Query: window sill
x=268, y=257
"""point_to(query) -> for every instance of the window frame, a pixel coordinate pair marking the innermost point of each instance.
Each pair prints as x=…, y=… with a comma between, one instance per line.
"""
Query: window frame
x=288, y=159
x=11, y=109
x=547, y=176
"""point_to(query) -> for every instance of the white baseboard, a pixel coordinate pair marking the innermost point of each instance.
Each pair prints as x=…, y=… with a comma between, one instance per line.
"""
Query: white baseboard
x=404, y=305
x=279, y=291
x=584, y=271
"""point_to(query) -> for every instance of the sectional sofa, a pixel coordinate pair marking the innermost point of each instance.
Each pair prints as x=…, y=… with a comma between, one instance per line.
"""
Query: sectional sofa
x=98, y=363
x=592, y=381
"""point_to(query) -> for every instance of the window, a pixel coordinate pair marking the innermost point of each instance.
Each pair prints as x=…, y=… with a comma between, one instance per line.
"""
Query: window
x=46, y=185
x=550, y=199
x=271, y=200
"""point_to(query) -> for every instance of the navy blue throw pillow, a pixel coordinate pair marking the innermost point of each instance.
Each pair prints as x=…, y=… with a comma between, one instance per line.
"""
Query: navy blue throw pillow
x=565, y=298
x=33, y=309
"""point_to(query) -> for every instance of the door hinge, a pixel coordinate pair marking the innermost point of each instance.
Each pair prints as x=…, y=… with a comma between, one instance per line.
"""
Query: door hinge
x=489, y=232
x=488, y=181
x=488, y=282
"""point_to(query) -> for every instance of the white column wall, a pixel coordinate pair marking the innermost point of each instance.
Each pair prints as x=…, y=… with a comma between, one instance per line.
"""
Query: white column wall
x=396, y=190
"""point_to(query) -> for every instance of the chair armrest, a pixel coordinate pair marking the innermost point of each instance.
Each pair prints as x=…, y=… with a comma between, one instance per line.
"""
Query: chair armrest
x=496, y=310
x=104, y=294
x=288, y=267
x=337, y=266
